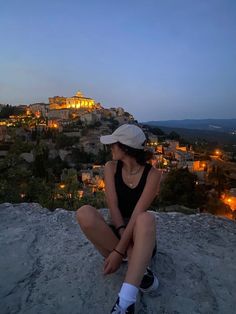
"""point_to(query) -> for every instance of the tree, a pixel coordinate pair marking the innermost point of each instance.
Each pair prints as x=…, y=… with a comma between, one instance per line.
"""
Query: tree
x=103, y=156
x=12, y=183
x=68, y=189
x=19, y=147
x=63, y=141
x=155, y=130
x=80, y=156
x=9, y=110
x=179, y=187
x=40, y=161
x=37, y=190
x=174, y=136
x=216, y=206
x=218, y=178
x=113, y=124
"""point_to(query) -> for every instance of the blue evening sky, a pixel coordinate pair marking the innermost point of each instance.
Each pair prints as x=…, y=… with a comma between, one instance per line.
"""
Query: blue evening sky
x=158, y=59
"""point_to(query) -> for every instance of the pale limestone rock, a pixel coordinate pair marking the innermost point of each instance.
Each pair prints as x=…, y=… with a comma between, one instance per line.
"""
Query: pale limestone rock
x=49, y=267
x=63, y=153
x=29, y=157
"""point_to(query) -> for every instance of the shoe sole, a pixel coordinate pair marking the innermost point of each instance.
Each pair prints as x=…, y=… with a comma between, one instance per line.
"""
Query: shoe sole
x=153, y=288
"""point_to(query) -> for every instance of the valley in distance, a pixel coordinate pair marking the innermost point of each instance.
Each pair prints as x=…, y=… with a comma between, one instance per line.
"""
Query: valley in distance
x=217, y=131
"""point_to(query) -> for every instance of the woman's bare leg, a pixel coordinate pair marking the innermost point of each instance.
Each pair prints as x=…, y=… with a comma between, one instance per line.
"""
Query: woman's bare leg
x=144, y=237
x=96, y=229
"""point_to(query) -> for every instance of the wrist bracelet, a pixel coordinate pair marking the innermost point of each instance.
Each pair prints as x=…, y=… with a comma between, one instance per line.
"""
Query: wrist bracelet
x=120, y=227
x=123, y=255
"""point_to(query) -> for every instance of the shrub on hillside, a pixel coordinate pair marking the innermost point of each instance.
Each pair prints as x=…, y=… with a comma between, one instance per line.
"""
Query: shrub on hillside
x=179, y=187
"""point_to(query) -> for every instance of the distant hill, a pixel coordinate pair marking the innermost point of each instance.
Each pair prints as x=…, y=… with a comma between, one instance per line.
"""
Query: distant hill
x=219, y=125
x=192, y=135
x=216, y=131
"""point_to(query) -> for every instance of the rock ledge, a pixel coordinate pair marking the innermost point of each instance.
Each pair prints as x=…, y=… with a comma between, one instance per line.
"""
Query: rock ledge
x=48, y=266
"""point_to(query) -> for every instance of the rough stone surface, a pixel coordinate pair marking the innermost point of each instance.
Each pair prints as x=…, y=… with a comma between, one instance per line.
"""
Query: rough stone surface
x=48, y=267
x=29, y=157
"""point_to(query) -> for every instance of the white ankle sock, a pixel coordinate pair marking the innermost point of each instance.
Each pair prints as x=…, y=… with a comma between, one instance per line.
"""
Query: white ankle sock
x=128, y=295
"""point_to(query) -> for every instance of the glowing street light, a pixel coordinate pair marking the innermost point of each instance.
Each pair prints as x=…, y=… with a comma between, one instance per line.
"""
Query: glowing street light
x=80, y=194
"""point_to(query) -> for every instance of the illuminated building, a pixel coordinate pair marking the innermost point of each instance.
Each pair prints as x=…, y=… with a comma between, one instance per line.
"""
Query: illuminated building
x=230, y=199
x=79, y=101
x=38, y=109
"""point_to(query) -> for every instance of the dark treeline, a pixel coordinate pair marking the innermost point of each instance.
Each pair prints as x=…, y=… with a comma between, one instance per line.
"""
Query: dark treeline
x=7, y=110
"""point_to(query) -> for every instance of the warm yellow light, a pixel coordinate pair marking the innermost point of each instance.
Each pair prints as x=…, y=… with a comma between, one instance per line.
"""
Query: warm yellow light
x=217, y=152
x=55, y=125
x=37, y=114
x=229, y=200
x=101, y=185
x=165, y=163
x=80, y=194
x=62, y=186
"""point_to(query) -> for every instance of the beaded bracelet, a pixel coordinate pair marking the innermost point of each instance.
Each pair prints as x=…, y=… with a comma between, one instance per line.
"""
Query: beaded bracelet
x=123, y=255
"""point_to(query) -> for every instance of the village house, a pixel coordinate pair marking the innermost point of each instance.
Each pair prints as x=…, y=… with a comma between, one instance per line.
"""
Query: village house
x=90, y=118
x=38, y=109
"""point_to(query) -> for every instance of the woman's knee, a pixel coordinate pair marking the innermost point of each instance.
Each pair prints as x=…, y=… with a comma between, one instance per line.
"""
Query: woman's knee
x=86, y=216
x=145, y=221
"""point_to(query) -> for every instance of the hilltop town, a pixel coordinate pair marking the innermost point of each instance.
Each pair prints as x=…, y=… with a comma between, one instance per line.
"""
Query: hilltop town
x=51, y=153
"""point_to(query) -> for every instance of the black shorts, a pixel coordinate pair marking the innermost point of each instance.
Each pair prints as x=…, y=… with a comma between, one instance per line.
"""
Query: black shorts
x=113, y=228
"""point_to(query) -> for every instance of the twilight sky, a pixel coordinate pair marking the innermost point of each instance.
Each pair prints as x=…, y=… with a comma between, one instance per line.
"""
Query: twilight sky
x=158, y=59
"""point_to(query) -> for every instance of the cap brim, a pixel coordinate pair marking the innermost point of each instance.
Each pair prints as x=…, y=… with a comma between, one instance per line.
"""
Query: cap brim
x=107, y=139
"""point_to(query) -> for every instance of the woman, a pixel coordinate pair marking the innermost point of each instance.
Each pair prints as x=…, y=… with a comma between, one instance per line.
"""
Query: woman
x=131, y=184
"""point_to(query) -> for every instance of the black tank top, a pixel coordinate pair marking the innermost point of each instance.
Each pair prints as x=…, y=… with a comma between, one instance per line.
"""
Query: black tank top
x=127, y=197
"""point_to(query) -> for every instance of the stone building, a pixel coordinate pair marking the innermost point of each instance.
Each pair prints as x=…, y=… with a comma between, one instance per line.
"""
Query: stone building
x=38, y=109
x=75, y=102
x=89, y=118
x=59, y=114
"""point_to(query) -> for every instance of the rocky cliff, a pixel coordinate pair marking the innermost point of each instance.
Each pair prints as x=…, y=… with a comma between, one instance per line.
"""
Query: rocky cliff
x=48, y=267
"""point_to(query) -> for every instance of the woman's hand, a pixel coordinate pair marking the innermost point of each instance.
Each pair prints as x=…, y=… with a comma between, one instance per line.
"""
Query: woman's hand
x=112, y=263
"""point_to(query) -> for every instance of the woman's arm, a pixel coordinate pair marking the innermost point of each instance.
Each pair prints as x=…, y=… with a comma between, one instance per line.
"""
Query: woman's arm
x=150, y=191
x=110, y=193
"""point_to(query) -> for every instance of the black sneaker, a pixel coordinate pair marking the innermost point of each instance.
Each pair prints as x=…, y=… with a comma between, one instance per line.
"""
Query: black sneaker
x=149, y=282
x=118, y=310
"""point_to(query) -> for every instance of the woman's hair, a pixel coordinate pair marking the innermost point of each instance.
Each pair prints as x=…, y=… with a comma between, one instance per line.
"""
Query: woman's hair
x=141, y=156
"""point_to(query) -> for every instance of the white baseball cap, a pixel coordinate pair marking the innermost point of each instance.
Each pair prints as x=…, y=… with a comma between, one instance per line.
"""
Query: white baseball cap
x=127, y=134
